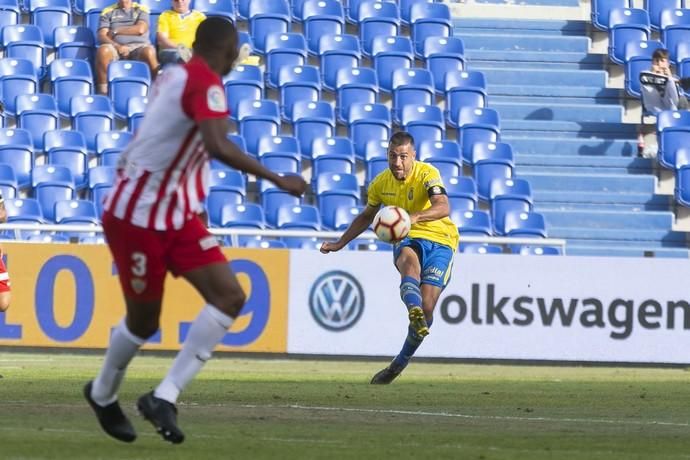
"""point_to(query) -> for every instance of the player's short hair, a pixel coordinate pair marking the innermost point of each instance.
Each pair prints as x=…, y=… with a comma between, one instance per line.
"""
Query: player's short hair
x=659, y=54
x=214, y=32
x=401, y=138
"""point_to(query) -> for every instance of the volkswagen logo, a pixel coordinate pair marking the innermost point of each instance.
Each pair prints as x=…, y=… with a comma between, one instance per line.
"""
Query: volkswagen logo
x=336, y=301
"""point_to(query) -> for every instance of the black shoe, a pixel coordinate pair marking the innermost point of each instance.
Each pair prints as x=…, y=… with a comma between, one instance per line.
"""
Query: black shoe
x=163, y=415
x=112, y=419
x=385, y=376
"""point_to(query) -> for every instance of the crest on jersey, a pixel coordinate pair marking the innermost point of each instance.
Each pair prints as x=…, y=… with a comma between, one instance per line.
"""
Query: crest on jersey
x=215, y=98
x=138, y=285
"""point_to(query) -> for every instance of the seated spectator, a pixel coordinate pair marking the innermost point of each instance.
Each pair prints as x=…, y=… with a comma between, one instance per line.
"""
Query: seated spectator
x=123, y=33
x=176, y=30
x=660, y=91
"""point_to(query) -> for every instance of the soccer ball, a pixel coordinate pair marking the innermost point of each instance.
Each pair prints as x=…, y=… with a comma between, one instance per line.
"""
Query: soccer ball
x=391, y=224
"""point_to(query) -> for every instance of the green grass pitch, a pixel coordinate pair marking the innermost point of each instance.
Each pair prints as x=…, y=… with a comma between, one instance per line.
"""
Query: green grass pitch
x=297, y=409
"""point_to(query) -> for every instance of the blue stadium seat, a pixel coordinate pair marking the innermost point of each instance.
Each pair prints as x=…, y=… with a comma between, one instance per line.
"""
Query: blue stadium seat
x=375, y=166
x=390, y=53
x=74, y=42
x=682, y=167
x=411, y=87
x=110, y=144
x=476, y=248
x=443, y=155
x=49, y=15
x=220, y=8
x=429, y=20
x=376, y=149
x=17, y=150
x=23, y=211
x=55, y=141
x=136, y=108
x=525, y=225
x=641, y=48
x=17, y=77
x=225, y=186
x=675, y=29
x=626, y=25
x=283, y=49
x=462, y=192
x=10, y=13
x=272, y=198
x=260, y=243
x=344, y=215
x=51, y=183
x=256, y=119
x=266, y=17
x=245, y=215
x=337, y=52
x=321, y=17
x=531, y=250
x=508, y=195
x=280, y=153
x=406, y=9
x=101, y=179
x=474, y=222
x=367, y=122
x=464, y=89
x=355, y=85
x=8, y=182
x=25, y=41
x=245, y=38
x=633, y=67
x=443, y=55
x=282, y=162
x=488, y=150
x=298, y=217
x=602, y=8
x=76, y=212
x=351, y=10
x=334, y=190
x=423, y=122
x=37, y=113
x=670, y=119
x=683, y=59
x=242, y=9
x=332, y=154
x=298, y=83
x=499, y=166
x=244, y=82
x=91, y=115
x=476, y=125
x=311, y=120
x=69, y=77
x=656, y=7
x=127, y=79
x=74, y=160
x=377, y=18
x=670, y=141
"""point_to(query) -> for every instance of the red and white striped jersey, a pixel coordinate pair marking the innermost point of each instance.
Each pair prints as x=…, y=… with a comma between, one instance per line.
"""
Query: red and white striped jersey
x=163, y=173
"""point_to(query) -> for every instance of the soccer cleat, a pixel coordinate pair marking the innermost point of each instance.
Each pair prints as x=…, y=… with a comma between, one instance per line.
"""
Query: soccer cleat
x=163, y=415
x=385, y=376
x=418, y=321
x=112, y=419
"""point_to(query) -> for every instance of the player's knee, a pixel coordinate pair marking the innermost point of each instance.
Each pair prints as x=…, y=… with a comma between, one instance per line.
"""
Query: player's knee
x=231, y=303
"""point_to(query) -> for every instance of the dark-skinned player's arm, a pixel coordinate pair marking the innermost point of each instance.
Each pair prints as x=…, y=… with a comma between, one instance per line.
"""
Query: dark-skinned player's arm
x=358, y=225
x=214, y=132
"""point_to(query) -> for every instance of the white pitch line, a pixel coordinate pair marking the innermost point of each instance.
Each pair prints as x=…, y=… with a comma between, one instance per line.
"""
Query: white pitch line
x=469, y=416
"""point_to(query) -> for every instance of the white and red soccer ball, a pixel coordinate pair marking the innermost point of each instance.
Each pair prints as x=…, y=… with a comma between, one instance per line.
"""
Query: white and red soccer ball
x=391, y=224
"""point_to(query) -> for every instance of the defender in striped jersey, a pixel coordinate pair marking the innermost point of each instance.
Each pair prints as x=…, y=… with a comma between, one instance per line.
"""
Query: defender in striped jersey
x=4, y=276
x=152, y=225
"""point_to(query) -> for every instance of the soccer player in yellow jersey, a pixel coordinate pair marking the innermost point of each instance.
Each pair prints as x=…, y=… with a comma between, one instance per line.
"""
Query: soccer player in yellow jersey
x=425, y=257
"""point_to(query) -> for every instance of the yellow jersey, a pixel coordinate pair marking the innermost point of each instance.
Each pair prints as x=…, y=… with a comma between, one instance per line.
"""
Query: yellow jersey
x=180, y=28
x=412, y=195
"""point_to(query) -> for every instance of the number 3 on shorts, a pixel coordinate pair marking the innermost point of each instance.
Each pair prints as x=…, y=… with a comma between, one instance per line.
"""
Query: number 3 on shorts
x=138, y=264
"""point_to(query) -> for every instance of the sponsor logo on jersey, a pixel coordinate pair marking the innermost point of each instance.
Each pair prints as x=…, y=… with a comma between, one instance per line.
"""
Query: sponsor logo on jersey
x=336, y=301
x=138, y=285
x=215, y=98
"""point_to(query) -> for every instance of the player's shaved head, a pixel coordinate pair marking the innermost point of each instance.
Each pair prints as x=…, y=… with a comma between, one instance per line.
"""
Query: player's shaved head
x=216, y=41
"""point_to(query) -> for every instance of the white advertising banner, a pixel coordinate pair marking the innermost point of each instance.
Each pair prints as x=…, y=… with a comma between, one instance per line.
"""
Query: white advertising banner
x=497, y=307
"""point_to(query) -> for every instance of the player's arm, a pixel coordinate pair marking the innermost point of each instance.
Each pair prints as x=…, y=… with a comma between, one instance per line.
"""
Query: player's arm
x=356, y=228
x=213, y=134
x=439, y=208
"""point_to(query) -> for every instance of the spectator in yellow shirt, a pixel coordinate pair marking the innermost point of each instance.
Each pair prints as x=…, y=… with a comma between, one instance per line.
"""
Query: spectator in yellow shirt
x=176, y=30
